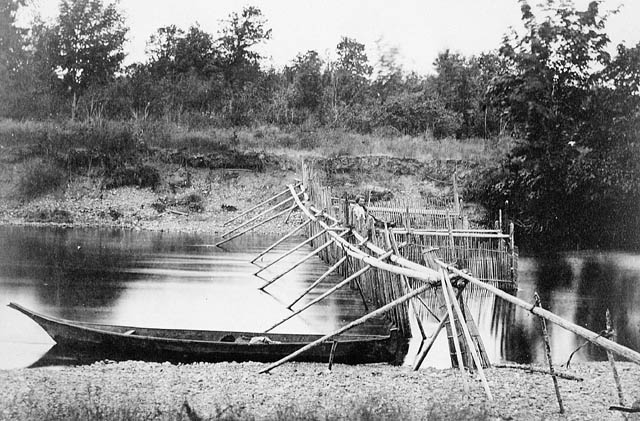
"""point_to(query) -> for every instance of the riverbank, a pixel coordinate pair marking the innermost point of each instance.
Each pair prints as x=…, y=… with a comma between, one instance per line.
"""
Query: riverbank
x=192, y=198
x=136, y=390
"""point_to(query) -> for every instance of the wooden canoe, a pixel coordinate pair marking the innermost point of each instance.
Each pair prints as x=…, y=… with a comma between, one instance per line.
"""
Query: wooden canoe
x=185, y=346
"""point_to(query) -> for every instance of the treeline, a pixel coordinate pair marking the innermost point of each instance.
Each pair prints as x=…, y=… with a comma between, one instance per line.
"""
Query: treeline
x=573, y=179
x=73, y=68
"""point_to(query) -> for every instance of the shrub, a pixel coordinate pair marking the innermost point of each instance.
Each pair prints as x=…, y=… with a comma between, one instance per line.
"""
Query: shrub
x=140, y=176
x=58, y=216
x=39, y=178
x=193, y=201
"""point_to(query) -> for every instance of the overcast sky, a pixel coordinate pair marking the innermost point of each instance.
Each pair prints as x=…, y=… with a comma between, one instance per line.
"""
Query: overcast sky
x=420, y=29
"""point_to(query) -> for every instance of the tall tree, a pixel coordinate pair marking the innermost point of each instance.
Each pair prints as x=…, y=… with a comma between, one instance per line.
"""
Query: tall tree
x=87, y=45
x=240, y=35
x=12, y=40
x=307, y=80
x=564, y=98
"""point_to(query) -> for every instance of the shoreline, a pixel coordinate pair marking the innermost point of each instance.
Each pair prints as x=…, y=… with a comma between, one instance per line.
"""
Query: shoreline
x=306, y=391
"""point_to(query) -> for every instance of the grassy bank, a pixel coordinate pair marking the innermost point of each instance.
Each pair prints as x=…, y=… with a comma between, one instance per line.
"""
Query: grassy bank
x=295, y=141
x=140, y=173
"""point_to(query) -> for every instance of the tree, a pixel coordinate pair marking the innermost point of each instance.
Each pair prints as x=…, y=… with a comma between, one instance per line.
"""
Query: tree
x=566, y=98
x=307, y=81
x=12, y=41
x=87, y=45
x=174, y=52
x=238, y=38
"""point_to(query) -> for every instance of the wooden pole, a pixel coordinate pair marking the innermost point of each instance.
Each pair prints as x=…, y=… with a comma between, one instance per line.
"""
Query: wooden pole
x=420, y=358
x=349, y=326
x=467, y=335
x=612, y=362
x=277, y=243
x=322, y=297
x=258, y=216
x=454, y=332
x=259, y=204
x=320, y=279
x=298, y=246
x=408, y=268
x=593, y=337
x=299, y=262
x=218, y=244
x=332, y=354
x=547, y=348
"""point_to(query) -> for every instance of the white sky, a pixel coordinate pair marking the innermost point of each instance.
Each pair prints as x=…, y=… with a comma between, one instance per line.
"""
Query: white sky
x=420, y=29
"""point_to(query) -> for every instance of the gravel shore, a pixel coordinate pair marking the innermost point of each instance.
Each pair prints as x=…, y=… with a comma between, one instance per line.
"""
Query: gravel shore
x=136, y=390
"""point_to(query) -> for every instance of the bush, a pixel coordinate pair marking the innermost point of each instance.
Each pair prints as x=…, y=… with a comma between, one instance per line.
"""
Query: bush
x=193, y=201
x=39, y=178
x=141, y=176
x=58, y=216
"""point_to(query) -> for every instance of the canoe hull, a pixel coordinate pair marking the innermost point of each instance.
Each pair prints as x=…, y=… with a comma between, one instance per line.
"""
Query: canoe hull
x=187, y=346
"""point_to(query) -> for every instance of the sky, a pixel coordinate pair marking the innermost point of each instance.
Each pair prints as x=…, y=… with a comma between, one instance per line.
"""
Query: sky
x=419, y=29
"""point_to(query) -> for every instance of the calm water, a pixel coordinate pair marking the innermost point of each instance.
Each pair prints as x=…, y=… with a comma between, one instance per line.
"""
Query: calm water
x=171, y=280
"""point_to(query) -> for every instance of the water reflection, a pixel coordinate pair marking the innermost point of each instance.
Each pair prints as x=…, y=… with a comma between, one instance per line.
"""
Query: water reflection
x=154, y=280
x=577, y=286
x=170, y=280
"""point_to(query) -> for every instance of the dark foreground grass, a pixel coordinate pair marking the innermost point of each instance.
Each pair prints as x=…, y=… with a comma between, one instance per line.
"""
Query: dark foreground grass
x=371, y=410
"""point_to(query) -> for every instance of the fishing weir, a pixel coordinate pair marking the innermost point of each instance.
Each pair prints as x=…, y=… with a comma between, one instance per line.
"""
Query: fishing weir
x=408, y=261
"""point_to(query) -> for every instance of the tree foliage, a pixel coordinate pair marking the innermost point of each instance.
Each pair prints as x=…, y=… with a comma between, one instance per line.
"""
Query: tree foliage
x=87, y=44
x=576, y=110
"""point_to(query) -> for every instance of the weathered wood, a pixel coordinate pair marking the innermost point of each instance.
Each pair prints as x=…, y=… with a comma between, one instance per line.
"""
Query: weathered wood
x=332, y=354
x=258, y=216
x=467, y=335
x=281, y=240
x=301, y=261
x=323, y=296
x=259, y=204
x=185, y=346
x=317, y=281
x=532, y=369
x=423, y=353
x=420, y=272
x=593, y=337
x=612, y=362
x=382, y=310
x=454, y=331
x=218, y=244
x=547, y=347
x=290, y=251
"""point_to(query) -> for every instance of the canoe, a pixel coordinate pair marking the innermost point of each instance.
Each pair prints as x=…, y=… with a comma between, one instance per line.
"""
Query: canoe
x=186, y=346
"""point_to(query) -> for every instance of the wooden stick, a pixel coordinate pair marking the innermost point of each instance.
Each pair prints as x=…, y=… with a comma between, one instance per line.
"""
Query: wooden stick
x=259, y=204
x=593, y=337
x=298, y=246
x=299, y=262
x=349, y=326
x=532, y=369
x=454, y=333
x=218, y=244
x=320, y=279
x=408, y=268
x=323, y=296
x=420, y=358
x=277, y=243
x=467, y=335
x=612, y=362
x=258, y=216
x=547, y=348
x=332, y=354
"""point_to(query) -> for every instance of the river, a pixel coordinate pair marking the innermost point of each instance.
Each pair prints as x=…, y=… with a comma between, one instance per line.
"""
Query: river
x=175, y=280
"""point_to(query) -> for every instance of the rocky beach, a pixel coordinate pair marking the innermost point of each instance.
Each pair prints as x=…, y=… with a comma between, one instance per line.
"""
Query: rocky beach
x=137, y=390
